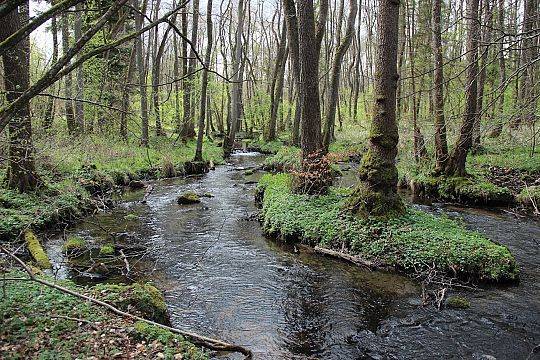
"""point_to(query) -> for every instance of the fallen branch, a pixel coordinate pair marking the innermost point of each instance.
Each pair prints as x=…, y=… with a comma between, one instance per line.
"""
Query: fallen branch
x=207, y=342
x=351, y=258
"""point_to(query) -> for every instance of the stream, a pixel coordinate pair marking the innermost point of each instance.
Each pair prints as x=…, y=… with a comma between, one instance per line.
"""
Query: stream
x=223, y=278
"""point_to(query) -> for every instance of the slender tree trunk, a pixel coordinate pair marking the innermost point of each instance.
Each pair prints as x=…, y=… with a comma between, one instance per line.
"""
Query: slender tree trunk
x=376, y=194
x=79, y=105
x=68, y=80
x=281, y=59
x=236, y=89
x=497, y=130
x=156, y=78
x=21, y=172
x=441, y=145
x=328, y=134
x=291, y=20
x=49, y=114
x=456, y=163
x=142, y=73
x=486, y=40
x=204, y=83
x=189, y=124
x=125, y=94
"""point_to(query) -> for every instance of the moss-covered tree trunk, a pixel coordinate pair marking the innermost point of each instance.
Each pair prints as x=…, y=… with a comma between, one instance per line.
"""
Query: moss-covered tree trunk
x=21, y=173
x=376, y=194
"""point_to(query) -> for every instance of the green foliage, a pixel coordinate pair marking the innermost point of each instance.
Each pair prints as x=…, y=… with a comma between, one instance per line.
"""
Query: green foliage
x=529, y=196
x=41, y=322
x=472, y=190
x=107, y=249
x=412, y=242
x=286, y=159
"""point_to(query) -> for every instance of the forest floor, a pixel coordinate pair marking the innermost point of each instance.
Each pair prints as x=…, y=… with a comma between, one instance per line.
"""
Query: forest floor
x=38, y=321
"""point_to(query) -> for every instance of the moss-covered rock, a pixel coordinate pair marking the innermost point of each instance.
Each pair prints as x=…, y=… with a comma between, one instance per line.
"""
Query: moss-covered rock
x=146, y=299
x=74, y=244
x=410, y=243
x=36, y=250
x=458, y=302
x=187, y=198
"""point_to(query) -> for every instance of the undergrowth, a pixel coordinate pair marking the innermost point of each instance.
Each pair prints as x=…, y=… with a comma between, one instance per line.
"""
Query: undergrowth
x=411, y=243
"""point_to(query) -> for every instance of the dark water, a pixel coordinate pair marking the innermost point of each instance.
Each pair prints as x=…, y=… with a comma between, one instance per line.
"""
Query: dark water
x=224, y=279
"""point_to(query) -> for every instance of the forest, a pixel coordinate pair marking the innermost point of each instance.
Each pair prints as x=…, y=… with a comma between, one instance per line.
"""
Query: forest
x=269, y=179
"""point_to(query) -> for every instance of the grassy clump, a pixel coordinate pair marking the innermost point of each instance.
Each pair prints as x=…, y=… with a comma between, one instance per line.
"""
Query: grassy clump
x=41, y=322
x=107, y=249
x=529, y=196
x=287, y=158
x=411, y=243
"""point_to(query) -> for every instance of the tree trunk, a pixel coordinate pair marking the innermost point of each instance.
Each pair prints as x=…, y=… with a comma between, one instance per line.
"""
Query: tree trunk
x=204, y=83
x=79, y=105
x=141, y=72
x=497, y=130
x=336, y=73
x=68, y=80
x=310, y=122
x=156, y=77
x=376, y=194
x=125, y=94
x=441, y=145
x=456, y=163
x=21, y=172
x=281, y=59
x=188, y=131
x=236, y=89
x=49, y=114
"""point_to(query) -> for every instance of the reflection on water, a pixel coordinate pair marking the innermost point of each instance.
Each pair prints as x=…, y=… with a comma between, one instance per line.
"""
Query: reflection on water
x=223, y=278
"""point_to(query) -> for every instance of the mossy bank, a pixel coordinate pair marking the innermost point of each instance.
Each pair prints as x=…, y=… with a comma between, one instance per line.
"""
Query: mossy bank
x=411, y=243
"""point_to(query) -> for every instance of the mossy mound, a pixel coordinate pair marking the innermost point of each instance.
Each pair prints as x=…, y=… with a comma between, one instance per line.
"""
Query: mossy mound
x=187, y=198
x=106, y=250
x=36, y=250
x=458, y=302
x=412, y=242
x=145, y=299
x=41, y=322
x=473, y=190
x=74, y=244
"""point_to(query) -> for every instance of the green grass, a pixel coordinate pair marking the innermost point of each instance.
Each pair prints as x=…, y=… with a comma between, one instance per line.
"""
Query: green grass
x=39, y=322
x=410, y=243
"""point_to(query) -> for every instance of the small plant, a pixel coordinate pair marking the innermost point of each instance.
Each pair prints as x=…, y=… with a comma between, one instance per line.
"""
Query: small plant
x=73, y=244
x=315, y=177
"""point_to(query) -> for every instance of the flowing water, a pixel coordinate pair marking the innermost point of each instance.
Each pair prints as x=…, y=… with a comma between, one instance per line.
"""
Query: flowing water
x=224, y=279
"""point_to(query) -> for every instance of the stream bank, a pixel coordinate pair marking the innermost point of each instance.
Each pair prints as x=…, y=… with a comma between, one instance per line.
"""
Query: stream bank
x=222, y=277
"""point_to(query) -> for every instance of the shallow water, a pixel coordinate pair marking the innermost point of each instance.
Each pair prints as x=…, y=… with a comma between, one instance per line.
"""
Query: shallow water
x=224, y=279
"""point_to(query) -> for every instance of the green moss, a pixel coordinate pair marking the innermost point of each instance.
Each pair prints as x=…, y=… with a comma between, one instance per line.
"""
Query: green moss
x=286, y=159
x=458, y=302
x=74, y=243
x=131, y=217
x=107, y=249
x=36, y=250
x=188, y=197
x=411, y=242
x=473, y=190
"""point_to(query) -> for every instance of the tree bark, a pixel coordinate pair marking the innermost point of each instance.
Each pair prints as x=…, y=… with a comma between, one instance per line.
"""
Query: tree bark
x=335, y=77
x=49, y=114
x=68, y=80
x=204, y=83
x=281, y=59
x=21, y=172
x=456, y=163
x=79, y=105
x=441, y=145
x=188, y=131
x=141, y=72
x=376, y=194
